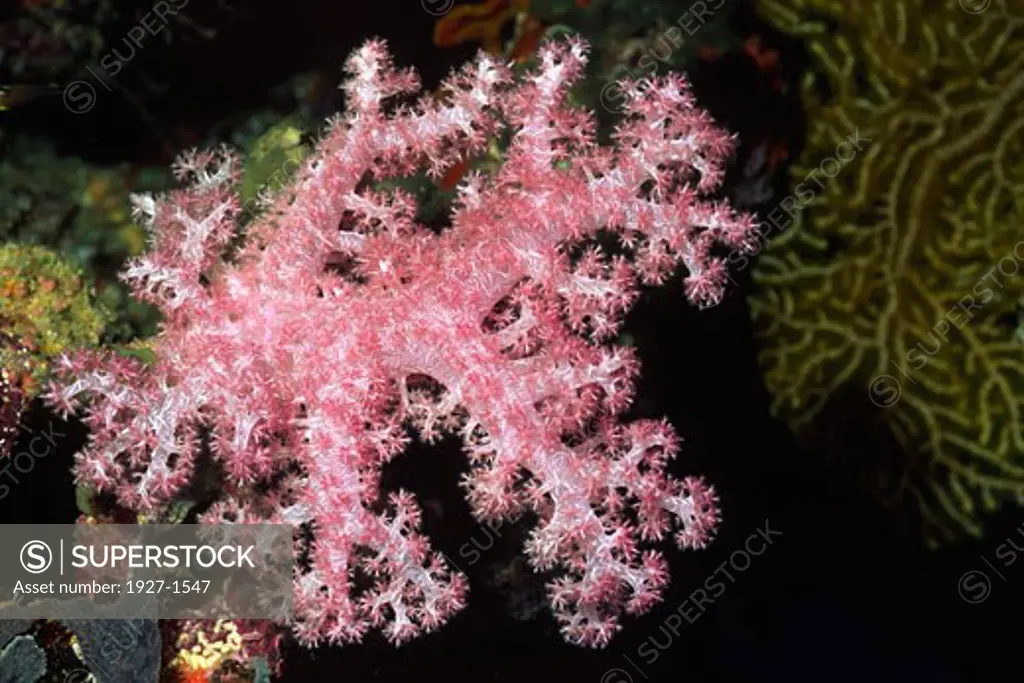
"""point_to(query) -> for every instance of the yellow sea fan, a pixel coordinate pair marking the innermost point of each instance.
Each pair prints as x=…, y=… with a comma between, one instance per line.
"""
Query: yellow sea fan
x=889, y=306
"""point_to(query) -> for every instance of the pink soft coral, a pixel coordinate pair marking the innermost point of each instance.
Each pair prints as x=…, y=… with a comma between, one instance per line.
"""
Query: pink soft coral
x=304, y=353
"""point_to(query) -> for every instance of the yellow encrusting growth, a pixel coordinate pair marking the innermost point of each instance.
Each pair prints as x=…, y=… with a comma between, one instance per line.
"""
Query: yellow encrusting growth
x=891, y=301
x=45, y=308
x=202, y=651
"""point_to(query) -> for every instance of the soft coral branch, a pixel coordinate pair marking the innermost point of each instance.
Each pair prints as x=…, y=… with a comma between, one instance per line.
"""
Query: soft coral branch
x=306, y=373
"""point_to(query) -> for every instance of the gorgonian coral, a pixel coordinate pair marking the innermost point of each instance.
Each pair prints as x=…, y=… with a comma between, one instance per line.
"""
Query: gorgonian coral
x=897, y=284
x=301, y=350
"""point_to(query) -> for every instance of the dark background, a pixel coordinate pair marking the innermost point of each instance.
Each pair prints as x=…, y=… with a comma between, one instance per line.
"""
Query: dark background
x=842, y=594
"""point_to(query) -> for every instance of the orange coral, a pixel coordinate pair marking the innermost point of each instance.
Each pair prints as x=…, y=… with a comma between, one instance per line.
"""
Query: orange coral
x=529, y=33
x=478, y=23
